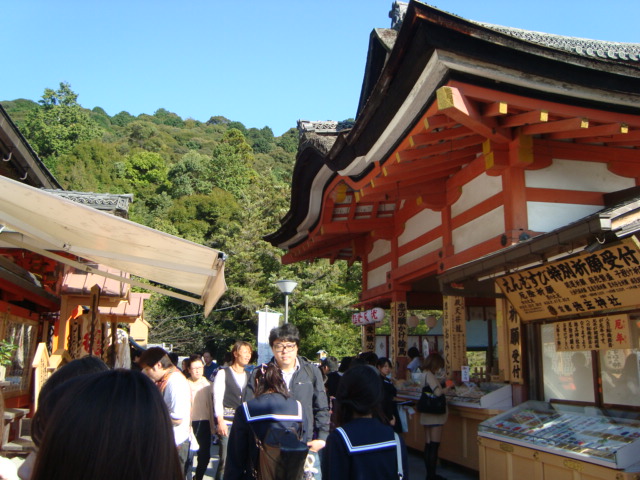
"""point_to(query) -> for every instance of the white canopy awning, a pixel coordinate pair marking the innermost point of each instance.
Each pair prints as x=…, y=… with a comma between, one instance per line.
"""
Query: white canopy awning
x=45, y=223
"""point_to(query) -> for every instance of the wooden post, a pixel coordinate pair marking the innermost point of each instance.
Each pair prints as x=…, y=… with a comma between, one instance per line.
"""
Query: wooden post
x=95, y=302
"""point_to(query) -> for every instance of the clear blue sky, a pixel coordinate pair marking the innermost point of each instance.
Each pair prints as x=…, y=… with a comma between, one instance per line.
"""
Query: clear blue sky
x=263, y=63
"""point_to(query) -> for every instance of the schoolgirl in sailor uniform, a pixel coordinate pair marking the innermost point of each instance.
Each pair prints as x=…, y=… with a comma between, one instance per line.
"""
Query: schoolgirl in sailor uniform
x=362, y=447
x=271, y=406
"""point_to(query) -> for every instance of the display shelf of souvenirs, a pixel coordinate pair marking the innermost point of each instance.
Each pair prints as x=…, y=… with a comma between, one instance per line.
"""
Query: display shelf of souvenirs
x=482, y=395
x=603, y=437
x=469, y=394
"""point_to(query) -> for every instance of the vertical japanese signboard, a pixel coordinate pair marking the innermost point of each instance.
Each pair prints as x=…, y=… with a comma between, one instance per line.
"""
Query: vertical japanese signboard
x=400, y=330
x=369, y=338
x=514, y=336
x=595, y=281
x=454, y=329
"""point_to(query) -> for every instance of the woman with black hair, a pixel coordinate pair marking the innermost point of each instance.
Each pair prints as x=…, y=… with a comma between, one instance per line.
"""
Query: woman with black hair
x=362, y=447
x=107, y=425
x=389, y=390
x=271, y=406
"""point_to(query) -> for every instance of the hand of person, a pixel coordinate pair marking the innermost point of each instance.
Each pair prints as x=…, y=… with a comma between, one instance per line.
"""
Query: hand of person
x=222, y=428
x=316, y=445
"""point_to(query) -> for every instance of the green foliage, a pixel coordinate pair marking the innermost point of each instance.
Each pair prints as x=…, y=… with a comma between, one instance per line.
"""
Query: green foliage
x=122, y=119
x=7, y=349
x=230, y=167
x=19, y=109
x=191, y=175
x=168, y=118
x=262, y=140
x=216, y=183
x=289, y=141
x=59, y=124
x=146, y=172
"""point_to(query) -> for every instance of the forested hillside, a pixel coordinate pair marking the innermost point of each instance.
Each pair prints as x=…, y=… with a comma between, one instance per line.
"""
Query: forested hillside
x=217, y=183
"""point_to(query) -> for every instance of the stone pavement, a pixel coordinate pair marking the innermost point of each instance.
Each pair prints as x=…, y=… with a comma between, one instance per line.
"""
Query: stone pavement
x=416, y=468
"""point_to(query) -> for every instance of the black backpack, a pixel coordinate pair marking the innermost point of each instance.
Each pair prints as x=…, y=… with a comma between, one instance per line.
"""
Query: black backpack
x=282, y=455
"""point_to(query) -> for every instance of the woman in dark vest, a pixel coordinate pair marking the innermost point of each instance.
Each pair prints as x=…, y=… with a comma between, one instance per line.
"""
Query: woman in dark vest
x=228, y=387
x=362, y=447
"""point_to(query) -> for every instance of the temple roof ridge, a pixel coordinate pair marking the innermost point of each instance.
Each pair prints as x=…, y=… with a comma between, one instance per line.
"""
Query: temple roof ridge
x=603, y=49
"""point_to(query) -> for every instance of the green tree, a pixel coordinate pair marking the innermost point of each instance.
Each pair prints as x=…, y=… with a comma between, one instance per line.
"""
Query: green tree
x=145, y=172
x=122, y=119
x=190, y=175
x=59, y=124
x=231, y=164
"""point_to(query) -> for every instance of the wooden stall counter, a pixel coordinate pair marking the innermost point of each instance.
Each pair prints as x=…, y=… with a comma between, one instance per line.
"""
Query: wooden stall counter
x=545, y=441
x=507, y=461
x=459, y=439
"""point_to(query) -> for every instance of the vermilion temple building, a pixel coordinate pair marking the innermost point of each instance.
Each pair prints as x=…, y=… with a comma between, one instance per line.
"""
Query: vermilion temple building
x=492, y=173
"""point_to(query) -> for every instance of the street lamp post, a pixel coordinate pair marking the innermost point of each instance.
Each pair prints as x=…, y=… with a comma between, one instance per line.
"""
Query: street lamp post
x=286, y=287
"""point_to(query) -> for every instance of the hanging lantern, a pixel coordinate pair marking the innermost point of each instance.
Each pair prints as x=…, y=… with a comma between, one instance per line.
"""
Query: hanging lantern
x=431, y=321
x=413, y=321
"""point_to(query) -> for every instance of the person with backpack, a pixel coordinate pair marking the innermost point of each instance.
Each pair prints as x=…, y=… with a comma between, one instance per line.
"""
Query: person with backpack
x=304, y=383
x=362, y=447
x=273, y=412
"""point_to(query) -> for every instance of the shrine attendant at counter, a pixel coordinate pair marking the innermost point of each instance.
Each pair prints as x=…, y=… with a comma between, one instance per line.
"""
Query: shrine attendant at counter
x=432, y=423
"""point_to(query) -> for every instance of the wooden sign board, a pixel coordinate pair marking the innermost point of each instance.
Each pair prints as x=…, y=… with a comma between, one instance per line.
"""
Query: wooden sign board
x=455, y=333
x=597, y=333
x=603, y=280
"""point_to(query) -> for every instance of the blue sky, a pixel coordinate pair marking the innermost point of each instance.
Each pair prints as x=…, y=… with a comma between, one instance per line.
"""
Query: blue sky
x=263, y=63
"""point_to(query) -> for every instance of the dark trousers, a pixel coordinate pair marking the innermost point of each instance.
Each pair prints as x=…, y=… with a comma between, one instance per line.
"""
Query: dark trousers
x=202, y=431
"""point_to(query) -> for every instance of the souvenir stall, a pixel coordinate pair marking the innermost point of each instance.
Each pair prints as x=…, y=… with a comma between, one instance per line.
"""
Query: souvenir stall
x=46, y=233
x=474, y=151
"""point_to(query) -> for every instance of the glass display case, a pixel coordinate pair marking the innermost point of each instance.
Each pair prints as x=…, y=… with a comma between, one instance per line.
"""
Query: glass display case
x=584, y=433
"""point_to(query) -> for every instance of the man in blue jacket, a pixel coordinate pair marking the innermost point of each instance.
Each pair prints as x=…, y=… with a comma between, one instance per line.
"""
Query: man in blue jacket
x=304, y=381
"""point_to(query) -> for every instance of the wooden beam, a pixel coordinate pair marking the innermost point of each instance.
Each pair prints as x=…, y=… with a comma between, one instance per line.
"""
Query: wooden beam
x=495, y=109
x=423, y=139
x=456, y=106
x=527, y=118
x=557, y=126
x=445, y=147
x=600, y=130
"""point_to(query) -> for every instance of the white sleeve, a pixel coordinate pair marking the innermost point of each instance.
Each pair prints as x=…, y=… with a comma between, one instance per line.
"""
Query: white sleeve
x=179, y=400
x=218, y=392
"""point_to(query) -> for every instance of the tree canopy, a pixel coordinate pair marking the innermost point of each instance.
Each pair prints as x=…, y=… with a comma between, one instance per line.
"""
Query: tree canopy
x=217, y=183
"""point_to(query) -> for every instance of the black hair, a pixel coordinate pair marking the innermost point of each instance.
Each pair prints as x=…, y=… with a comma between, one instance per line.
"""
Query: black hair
x=344, y=364
x=370, y=358
x=118, y=411
x=287, y=333
x=174, y=357
x=382, y=361
x=154, y=355
x=331, y=363
x=359, y=392
x=75, y=368
x=269, y=380
x=413, y=352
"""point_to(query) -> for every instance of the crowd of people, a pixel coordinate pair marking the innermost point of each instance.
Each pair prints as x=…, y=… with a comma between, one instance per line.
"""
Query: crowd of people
x=152, y=421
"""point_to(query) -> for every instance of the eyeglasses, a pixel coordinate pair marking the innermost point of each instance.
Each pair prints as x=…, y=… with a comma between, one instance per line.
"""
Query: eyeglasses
x=281, y=347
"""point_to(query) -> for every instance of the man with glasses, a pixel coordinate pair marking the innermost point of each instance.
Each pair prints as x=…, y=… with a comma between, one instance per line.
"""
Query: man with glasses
x=304, y=381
